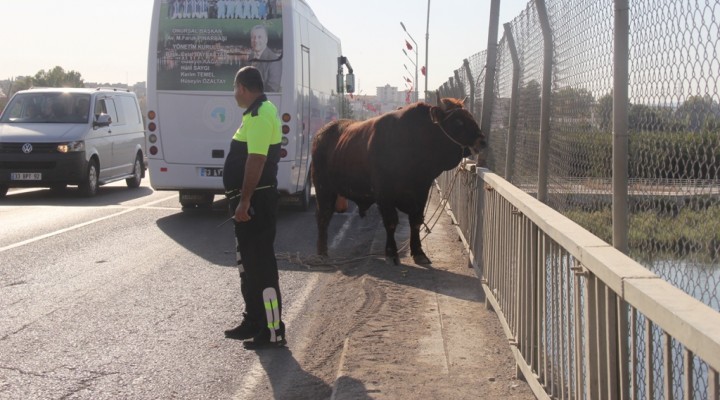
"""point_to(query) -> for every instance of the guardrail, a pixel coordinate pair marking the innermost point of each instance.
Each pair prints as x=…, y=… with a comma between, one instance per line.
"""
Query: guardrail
x=584, y=321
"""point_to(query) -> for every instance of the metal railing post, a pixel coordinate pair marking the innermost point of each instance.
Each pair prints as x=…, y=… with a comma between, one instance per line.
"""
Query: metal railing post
x=514, y=101
x=544, y=151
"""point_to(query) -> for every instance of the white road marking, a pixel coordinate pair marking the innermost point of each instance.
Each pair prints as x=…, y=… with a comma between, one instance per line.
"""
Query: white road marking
x=61, y=231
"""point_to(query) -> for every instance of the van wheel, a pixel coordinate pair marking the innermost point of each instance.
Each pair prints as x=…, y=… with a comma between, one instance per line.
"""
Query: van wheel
x=90, y=186
x=134, y=182
x=3, y=190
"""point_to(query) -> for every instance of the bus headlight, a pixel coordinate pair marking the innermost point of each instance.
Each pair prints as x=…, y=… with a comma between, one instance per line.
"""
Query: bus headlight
x=71, y=147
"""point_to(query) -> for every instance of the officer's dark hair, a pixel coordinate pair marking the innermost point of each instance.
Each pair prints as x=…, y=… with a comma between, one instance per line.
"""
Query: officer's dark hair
x=250, y=78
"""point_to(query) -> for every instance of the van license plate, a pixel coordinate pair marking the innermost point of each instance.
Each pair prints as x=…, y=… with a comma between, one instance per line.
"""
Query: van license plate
x=211, y=172
x=25, y=176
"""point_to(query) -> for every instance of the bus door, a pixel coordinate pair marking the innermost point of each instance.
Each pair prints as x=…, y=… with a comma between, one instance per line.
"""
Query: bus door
x=305, y=100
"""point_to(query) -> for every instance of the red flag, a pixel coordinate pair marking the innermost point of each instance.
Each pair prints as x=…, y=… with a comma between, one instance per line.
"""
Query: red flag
x=408, y=45
x=407, y=79
x=422, y=69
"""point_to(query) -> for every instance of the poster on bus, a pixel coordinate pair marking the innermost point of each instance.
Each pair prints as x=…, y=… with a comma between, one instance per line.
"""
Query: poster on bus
x=203, y=43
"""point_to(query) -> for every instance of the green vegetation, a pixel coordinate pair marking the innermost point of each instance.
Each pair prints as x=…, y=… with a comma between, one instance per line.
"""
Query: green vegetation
x=689, y=229
x=56, y=77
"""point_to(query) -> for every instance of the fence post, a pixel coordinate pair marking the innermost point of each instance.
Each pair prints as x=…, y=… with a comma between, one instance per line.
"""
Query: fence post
x=489, y=92
x=544, y=151
x=514, y=100
x=471, y=85
x=620, y=127
x=459, y=88
x=620, y=175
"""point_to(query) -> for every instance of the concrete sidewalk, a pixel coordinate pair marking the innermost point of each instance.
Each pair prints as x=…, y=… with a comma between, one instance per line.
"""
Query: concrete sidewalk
x=424, y=331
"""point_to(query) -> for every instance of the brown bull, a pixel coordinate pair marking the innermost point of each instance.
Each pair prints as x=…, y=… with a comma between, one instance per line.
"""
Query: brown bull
x=391, y=160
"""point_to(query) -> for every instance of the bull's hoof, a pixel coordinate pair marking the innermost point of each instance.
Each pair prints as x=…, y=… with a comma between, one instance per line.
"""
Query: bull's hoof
x=421, y=259
x=392, y=254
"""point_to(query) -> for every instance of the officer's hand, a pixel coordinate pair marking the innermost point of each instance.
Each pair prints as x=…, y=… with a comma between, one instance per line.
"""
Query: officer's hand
x=242, y=212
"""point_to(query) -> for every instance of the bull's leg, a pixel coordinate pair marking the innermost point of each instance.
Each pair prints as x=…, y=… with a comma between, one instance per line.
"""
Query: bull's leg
x=324, y=212
x=390, y=220
x=416, y=221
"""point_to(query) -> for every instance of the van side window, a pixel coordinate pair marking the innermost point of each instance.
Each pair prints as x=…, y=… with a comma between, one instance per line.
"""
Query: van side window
x=107, y=106
x=130, y=110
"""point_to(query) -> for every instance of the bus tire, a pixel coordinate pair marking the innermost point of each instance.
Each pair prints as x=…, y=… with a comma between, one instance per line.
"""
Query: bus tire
x=192, y=200
x=3, y=190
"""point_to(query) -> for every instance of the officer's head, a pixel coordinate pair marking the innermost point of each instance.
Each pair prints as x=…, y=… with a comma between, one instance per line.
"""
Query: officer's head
x=248, y=86
x=250, y=78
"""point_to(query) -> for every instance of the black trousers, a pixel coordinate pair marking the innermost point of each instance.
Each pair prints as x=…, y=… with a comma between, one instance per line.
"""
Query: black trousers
x=256, y=257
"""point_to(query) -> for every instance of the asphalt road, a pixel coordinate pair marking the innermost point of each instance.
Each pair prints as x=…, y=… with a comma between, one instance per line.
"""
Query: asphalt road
x=124, y=295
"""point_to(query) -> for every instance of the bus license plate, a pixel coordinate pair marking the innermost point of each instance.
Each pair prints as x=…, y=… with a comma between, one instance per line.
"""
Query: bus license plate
x=211, y=172
x=25, y=176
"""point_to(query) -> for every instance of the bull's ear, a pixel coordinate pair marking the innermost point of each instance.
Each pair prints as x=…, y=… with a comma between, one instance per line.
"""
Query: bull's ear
x=439, y=101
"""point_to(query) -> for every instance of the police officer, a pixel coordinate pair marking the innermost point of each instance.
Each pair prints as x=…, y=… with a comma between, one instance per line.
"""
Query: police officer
x=250, y=179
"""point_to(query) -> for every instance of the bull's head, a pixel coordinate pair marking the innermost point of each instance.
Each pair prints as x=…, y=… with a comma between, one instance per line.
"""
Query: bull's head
x=458, y=124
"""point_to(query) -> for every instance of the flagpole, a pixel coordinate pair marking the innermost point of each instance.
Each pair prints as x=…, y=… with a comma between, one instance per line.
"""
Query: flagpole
x=427, y=39
x=416, y=59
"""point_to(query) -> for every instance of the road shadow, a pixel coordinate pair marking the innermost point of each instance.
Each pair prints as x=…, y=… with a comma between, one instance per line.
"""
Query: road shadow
x=71, y=197
x=436, y=277
x=205, y=232
x=288, y=379
x=208, y=233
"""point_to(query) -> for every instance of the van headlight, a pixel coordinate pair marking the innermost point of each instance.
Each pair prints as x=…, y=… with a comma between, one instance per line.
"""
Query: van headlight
x=71, y=147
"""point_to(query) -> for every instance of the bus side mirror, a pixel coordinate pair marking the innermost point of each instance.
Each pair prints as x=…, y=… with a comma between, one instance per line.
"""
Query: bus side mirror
x=350, y=83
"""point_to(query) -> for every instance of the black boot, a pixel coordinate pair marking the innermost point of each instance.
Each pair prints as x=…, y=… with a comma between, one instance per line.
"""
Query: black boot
x=246, y=330
x=264, y=339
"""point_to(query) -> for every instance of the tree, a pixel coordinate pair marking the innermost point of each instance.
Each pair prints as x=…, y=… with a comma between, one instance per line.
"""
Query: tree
x=603, y=111
x=569, y=102
x=346, y=108
x=529, y=104
x=697, y=110
x=57, y=77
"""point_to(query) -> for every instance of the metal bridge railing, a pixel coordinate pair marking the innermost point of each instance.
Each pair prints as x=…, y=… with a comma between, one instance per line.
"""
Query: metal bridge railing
x=584, y=320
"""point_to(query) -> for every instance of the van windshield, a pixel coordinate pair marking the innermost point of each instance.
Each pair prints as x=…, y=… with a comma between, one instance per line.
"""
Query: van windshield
x=51, y=107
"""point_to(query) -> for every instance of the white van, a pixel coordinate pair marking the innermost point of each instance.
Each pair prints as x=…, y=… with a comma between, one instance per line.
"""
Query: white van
x=54, y=137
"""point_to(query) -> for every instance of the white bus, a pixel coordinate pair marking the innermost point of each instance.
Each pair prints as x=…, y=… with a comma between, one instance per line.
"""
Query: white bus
x=196, y=47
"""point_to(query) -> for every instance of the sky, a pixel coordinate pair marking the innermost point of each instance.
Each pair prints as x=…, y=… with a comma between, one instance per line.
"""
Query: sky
x=106, y=41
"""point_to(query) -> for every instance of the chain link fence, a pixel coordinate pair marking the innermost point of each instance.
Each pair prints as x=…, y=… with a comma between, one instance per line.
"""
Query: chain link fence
x=674, y=126
x=673, y=191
